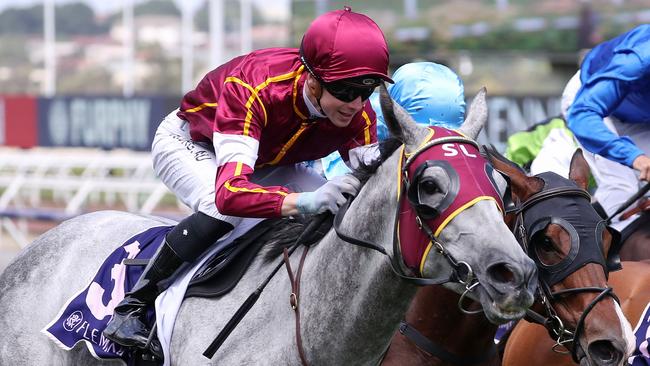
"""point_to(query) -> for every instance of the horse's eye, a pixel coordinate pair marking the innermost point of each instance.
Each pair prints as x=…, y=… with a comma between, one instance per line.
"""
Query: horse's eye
x=546, y=245
x=429, y=187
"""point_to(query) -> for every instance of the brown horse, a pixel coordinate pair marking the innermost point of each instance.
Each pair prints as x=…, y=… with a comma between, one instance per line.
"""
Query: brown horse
x=454, y=338
x=529, y=346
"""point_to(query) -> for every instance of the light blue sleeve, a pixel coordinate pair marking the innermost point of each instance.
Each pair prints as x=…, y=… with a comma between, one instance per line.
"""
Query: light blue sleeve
x=333, y=165
x=596, y=99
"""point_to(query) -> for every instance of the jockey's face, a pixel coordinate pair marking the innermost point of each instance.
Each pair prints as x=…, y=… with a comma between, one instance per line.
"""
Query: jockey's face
x=338, y=111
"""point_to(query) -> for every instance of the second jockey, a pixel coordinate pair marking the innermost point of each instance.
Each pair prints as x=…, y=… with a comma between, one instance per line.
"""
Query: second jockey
x=609, y=114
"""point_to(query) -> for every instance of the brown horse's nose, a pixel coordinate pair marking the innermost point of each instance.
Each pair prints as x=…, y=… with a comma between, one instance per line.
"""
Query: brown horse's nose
x=605, y=353
x=505, y=277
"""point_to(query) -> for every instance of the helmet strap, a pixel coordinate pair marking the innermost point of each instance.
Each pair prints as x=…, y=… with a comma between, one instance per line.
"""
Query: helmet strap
x=315, y=89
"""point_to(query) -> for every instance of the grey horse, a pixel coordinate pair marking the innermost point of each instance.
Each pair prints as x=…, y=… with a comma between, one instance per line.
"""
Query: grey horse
x=351, y=301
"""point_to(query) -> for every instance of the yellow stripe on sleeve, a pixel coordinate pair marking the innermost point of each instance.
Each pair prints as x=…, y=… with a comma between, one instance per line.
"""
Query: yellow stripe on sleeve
x=200, y=107
x=254, y=96
x=247, y=190
x=238, y=168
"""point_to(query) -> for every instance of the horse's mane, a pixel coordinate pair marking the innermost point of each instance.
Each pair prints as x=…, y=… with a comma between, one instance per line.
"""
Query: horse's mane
x=289, y=228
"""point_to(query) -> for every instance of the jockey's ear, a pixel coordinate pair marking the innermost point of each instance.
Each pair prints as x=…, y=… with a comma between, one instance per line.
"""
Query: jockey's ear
x=314, y=86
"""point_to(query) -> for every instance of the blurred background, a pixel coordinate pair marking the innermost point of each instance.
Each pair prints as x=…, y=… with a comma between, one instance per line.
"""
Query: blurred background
x=84, y=83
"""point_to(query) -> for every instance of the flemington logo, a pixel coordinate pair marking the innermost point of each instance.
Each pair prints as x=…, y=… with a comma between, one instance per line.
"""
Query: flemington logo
x=73, y=320
x=75, y=323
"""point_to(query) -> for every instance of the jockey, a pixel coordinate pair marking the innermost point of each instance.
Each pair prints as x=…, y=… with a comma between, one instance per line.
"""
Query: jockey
x=431, y=93
x=234, y=147
x=609, y=114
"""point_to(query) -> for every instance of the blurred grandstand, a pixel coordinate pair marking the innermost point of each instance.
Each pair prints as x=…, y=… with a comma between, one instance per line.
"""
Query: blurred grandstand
x=84, y=84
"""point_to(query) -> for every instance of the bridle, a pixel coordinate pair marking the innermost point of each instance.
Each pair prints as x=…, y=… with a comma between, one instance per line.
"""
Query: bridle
x=551, y=321
x=461, y=272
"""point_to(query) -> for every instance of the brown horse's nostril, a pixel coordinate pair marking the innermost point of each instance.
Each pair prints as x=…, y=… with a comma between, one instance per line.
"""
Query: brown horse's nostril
x=605, y=353
x=501, y=273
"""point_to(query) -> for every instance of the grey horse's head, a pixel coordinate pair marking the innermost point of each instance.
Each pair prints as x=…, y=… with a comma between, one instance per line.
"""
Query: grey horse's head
x=475, y=232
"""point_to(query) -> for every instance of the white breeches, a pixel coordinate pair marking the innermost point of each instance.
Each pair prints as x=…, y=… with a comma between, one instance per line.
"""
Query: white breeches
x=189, y=169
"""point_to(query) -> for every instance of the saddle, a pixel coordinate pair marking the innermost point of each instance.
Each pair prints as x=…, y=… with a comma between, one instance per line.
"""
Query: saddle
x=220, y=275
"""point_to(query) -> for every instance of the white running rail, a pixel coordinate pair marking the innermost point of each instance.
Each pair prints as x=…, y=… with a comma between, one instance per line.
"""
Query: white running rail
x=56, y=184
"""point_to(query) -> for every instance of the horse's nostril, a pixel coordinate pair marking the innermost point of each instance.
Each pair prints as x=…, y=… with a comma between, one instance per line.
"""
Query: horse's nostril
x=605, y=353
x=501, y=272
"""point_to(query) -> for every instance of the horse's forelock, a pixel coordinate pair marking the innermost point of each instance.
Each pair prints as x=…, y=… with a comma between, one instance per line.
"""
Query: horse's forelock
x=386, y=148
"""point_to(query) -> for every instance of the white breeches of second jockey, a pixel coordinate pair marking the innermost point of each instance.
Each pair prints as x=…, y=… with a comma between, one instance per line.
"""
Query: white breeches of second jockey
x=189, y=169
x=555, y=155
x=616, y=182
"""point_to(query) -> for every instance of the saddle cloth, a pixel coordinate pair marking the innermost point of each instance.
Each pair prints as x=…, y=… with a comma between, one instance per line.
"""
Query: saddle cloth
x=86, y=314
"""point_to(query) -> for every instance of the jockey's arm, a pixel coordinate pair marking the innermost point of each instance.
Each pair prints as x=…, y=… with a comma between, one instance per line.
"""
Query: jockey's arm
x=237, y=130
x=236, y=139
x=593, y=103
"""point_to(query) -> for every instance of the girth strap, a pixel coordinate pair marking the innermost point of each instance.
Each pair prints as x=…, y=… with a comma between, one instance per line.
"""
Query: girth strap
x=294, y=298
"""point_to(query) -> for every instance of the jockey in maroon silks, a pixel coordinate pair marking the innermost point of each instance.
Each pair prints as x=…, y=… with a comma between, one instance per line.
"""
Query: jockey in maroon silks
x=250, y=123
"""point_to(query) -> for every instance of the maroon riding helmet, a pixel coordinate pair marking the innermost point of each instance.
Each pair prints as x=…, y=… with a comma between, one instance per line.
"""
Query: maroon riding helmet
x=342, y=44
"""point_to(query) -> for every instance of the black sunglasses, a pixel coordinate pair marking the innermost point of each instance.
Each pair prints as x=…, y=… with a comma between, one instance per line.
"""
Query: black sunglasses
x=347, y=93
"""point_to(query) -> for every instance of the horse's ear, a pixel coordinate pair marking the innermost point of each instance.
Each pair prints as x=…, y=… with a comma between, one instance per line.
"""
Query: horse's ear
x=477, y=115
x=579, y=170
x=400, y=124
x=521, y=185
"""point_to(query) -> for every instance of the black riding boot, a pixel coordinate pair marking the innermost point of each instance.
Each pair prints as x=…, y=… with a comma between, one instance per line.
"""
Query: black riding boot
x=184, y=243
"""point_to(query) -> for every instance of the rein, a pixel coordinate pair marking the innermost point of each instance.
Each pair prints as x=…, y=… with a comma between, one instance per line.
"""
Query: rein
x=294, y=298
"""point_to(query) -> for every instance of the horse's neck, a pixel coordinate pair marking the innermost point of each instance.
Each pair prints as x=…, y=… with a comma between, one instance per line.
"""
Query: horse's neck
x=350, y=292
